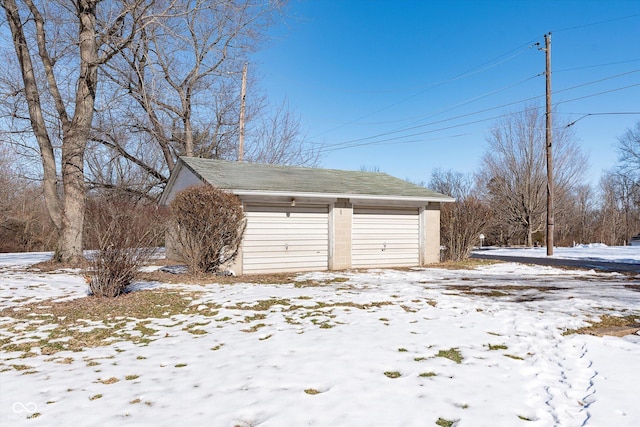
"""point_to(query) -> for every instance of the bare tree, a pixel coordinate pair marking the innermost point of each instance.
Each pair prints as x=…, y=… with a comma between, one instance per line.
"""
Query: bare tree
x=461, y=222
x=609, y=218
x=619, y=216
x=59, y=47
x=514, y=174
x=629, y=164
x=583, y=214
x=176, y=92
x=276, y=139
x=24, y=223
x=112, y=91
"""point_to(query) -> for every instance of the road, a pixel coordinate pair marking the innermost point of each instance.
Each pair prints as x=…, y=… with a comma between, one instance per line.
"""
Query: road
x=557, y=262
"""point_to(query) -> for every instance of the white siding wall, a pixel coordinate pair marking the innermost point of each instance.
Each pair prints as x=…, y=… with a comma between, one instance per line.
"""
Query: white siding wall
x=285, y=238
x=385, y=237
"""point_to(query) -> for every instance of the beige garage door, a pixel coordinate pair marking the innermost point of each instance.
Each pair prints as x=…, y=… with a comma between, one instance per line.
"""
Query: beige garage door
x=285, y=239
x=385, y=237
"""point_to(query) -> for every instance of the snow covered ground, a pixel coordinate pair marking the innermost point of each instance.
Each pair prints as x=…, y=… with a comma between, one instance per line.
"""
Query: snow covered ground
x=335, y=349
x=591, y=252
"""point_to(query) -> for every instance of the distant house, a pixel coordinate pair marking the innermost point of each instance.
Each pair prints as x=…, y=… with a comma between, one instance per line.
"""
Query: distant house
x=319, y=219
x=635, y=240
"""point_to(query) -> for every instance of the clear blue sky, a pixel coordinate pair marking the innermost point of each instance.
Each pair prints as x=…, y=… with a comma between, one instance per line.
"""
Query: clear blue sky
x=380, y=79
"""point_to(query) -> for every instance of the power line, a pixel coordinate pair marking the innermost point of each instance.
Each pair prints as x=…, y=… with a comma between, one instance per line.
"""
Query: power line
x=599, y=93
x=397, y=142
x=482, y=67
x=478, y=69
x=408, y=128
x=389, y=140
x=351, y=142
x=601, y=114
x=599, y=80
x=596, y=66
x=606, y=21
x=404, y=129
x=363, y=141
x=470, y=100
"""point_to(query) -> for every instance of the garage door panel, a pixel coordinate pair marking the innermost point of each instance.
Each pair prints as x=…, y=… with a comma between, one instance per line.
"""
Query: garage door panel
x=286, y=238
x=387, y=237
x=373, y=246
x=291, y=241
x=394, y=260
x=307, y=259
x=378, y=212
x=284, y=267
x=291, y=246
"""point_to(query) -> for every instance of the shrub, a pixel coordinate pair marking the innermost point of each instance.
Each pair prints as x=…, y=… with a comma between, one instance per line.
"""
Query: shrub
x=124, y=235
x=460, y=225
x=207, y=226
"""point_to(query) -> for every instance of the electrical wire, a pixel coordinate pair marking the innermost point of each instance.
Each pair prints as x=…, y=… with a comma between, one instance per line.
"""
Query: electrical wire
x=326, y=147
x=606, y=21
x=372, y=140
x=404, y=129
x=597, y=81
x=478, y=69
x=596, y=66
x=363, y=142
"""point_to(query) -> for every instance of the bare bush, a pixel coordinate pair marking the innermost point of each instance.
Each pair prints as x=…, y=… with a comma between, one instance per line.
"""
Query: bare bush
x=461, y=222
x=461, y=225
x=125, y=236
x=24, y=223
x=207, y=226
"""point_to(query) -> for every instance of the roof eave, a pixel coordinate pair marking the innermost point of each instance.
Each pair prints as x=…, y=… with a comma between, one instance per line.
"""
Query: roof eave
x=239, y=192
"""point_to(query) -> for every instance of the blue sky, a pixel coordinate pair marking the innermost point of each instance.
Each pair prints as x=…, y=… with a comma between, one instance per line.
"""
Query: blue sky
x=375, y=82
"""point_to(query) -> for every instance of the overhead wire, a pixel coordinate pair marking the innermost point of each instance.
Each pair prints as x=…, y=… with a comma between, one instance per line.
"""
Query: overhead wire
x=478, y=69
x=350, y=143
x=394, y=140
x=372, y=140
x=500, y=116
x=596, y=66
x=591, y=24
x=404, y=129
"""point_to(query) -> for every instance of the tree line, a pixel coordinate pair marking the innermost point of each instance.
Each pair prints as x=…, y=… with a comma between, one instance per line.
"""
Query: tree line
x=99, y=98
x=103, y=96
x=505, y=200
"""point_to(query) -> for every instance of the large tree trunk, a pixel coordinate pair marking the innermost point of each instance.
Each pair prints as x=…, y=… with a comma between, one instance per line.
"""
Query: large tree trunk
x=70, y=243
x=76, y=136
x=32, y=94
x=66, y=209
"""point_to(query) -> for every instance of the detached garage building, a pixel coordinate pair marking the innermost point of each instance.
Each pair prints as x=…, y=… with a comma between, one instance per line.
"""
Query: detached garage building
x=320, y=219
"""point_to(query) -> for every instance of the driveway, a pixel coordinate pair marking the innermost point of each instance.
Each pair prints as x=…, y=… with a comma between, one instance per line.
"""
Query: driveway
x=559, y=262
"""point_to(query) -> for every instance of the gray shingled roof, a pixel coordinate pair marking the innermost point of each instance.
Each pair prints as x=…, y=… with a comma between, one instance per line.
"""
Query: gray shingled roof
x=240, y=176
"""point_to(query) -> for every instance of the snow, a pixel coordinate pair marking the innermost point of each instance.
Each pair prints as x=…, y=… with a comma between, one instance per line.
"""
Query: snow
x=337, y=333
x=591, y=252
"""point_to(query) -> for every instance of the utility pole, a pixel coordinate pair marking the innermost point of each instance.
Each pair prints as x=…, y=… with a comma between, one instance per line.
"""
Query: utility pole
x=550, y=221
x=243, y=95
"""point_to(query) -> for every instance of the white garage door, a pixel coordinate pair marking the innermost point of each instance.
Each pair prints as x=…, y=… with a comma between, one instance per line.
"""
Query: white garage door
x=285, y=239
x=385, y=237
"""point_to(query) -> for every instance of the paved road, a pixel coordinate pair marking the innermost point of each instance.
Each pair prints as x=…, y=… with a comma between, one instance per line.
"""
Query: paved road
x=556, y=262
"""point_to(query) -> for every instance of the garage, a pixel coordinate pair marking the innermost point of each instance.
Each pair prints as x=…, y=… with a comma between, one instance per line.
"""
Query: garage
x=385, y=237
x=285, y=238
x=312, y=219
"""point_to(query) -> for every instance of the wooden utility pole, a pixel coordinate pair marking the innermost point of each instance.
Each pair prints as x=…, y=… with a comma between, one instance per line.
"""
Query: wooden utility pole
x=550, y=221
x=243, y=95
